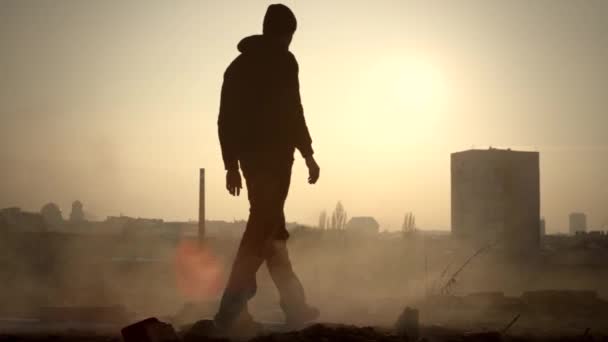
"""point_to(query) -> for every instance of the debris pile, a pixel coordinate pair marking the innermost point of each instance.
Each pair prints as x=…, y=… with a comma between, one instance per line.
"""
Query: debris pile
x=330, y=332
x=149, y=330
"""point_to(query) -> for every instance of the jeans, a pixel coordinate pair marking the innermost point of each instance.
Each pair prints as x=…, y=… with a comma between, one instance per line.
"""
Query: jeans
x=264, y=240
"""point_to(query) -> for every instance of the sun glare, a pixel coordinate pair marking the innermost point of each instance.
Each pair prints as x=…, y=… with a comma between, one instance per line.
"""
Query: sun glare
x=419, y=88
x=407, y=94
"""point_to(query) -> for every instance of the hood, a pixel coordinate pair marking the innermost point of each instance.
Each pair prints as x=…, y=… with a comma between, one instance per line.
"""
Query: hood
x=255, y=43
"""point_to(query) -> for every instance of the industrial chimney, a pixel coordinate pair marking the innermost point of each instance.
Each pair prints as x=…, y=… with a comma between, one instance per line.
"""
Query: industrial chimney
x=201, y=206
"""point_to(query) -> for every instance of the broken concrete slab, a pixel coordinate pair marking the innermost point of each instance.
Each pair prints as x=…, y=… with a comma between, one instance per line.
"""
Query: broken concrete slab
x=149, y=330
x=486, y=336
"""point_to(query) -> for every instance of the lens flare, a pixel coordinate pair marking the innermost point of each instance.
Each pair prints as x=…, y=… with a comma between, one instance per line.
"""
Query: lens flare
x=198, y=272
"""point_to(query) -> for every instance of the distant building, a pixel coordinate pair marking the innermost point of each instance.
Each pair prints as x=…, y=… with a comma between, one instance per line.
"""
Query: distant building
x=16, y=220
x=578, y=223
x=52, y=215
x=77, y=213
x=363, y=225
x=543, y=228
x=496, y=197
x=225, y=230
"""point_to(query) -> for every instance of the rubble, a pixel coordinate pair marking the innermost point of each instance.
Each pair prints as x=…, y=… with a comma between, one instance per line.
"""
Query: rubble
x=149, y=330
x=205, y=330
x=332, y=332
x=407, y=324
x=152, y=330
x=486, y=336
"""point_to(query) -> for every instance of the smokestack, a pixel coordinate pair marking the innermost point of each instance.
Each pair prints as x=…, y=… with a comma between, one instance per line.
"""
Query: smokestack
x=201, y=206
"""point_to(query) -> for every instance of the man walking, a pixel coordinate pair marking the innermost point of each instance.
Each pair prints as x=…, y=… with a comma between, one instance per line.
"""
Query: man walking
x=261, y=123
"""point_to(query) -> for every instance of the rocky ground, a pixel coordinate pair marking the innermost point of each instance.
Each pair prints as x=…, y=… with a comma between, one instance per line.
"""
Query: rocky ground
x=330, y=332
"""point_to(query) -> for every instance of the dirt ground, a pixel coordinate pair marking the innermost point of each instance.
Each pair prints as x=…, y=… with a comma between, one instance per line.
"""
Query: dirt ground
x=331, y=332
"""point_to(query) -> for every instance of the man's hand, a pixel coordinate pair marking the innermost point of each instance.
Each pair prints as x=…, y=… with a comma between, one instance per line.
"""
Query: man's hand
x=313, y=170
x=233, y=182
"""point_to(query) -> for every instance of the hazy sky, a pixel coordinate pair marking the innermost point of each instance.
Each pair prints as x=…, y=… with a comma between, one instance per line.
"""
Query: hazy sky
x=115, y=102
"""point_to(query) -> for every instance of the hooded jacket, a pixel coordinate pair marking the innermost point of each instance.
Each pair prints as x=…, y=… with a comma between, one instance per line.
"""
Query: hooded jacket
x=261, y=117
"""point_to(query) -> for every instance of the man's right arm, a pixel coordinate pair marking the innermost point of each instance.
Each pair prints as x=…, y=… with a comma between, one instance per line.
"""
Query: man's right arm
x=303, y=142
x=228, y=131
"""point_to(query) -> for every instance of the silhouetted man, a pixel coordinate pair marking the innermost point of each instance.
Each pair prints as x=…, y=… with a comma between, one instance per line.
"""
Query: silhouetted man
x=261, y=123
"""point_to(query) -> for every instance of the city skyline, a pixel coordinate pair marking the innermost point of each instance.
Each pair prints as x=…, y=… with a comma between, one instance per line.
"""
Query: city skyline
x=116, y=105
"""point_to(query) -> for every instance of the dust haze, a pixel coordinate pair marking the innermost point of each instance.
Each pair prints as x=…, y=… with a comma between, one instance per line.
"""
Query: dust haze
x=354, y=274
x=463, y=151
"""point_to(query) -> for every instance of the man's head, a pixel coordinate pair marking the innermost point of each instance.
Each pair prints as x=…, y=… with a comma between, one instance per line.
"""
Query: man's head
x=280, y=23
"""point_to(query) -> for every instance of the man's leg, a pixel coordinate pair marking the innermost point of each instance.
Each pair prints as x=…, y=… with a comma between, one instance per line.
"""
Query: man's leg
x=263, y=190
x=289, y=286
x=240, y=288
x=291, y=292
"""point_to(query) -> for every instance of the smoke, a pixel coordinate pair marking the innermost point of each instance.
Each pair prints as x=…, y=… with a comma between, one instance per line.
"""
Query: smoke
x=357, y=279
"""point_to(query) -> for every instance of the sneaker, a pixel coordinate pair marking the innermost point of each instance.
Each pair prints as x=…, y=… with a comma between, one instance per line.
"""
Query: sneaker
x=201, y=330
x=245, y=328
x=241, y=329
x=302, y=316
